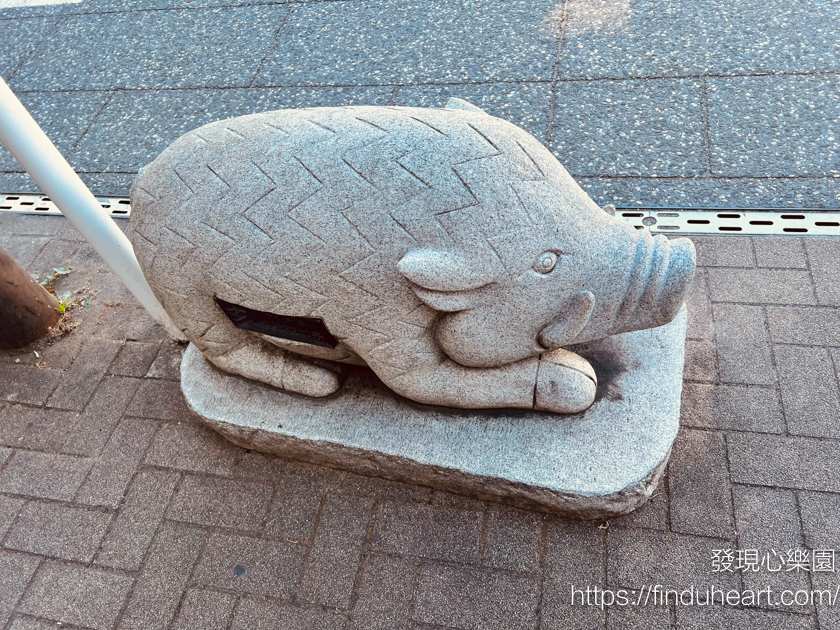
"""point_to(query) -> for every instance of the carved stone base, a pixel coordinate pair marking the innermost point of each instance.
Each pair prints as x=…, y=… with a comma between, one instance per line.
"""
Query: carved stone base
x=604, y=462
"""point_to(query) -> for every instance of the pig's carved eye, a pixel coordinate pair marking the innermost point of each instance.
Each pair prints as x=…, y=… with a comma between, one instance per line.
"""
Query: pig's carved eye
x=545, y=262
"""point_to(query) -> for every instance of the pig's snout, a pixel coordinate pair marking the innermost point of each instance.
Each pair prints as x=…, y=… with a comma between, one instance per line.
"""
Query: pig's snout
x=659, y=278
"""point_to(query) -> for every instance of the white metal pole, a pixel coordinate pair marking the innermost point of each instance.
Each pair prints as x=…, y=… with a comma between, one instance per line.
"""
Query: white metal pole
x=26, y=141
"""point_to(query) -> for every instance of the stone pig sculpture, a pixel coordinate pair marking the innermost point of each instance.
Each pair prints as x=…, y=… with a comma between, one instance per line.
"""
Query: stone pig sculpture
x=445, y=248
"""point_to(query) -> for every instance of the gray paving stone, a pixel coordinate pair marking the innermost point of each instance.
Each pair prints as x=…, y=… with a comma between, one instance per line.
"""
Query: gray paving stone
x=700, y=361
x=762, y=286
x=80, y=381
x=733, y=407
x=772, y=251
x=333, y=562
x=436, y=533
x=713, y=192
x=772, y=126
x=253, y=613
x=824, y=258
x=819, y=523
x=720, y=618
x=155, y=598
x=729, y=251
x=297, y=502
x=74, y=594
x=699, y=308
x=9, y=508
x=167, y=364
x=205, y=610
x=804, y=325
x=809, y=391
x=20, y=42
x=62, y=531
x=768, y=520
x=639, y=618
x=474, y=598
x=128, y=322
x=347, y=482
x=110, y=475
x=652, y=515
x=629, y=128
x=700, y=500
x=574, y=558
x=16, y=569
x=525, y=105
x=224, y=49
x=64, y=117
x=387, y=587
x=36, y=428
x=134, y=359
x=45, y=475
x=26, y=384
x=250, y=565
x=341, y=43
x=5, y=453
x=55, y=254
x=646, y=38
x=158, y=399
x=743, y=348
x=24, y=248
x=30, y=623
x=140, y=515
x=513, y=539
x=136, y=126
x=194, y=448
x=221, y=503
x=642, y=557
x=784, y=462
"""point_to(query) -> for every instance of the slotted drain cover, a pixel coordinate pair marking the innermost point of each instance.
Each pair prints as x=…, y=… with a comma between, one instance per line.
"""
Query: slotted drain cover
x=718, y=221
x=27, y=203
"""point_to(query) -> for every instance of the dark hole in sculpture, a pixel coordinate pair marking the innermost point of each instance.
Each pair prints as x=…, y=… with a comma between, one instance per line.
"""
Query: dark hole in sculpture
x=303, y=329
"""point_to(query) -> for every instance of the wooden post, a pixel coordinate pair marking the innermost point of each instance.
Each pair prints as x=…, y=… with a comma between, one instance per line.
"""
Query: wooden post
x=27, y=310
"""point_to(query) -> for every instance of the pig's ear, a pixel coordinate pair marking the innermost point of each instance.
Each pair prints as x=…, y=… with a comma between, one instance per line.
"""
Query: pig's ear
x=445, y=280
x=459, y=103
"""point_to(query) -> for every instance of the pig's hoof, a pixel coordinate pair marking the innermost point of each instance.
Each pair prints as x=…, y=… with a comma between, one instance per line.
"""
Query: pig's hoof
x=566, y=383
x=310, y=380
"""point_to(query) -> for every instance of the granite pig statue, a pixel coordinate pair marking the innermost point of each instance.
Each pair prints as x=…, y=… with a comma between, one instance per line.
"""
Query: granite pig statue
x=445, y=248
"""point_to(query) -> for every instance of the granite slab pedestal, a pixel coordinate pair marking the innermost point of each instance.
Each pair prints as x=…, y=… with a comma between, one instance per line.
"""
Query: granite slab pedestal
x=604, y=462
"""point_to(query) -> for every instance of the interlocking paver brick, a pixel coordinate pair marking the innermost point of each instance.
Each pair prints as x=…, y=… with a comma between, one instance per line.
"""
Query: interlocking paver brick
x=629, y=128
x=221, y=502
x=700, y=361
x=134, y=359
x=27, y=384
x=574, y=558
x=809, y=391
x=30, y=623
x=299, y=495
x=736, y=407
x=768, y=521
x=804, y=325
x=46, y=475
x=460, y=597
x=193, y=447
x=639, y=618
x=253, y=613
x=654, y=514
x=763, y=286
x=700, y=499
x=824, y=259
x=513, y=539
x=155, y=598
x=820, y=527
x=205, y=610
x=732, y=251
x=706, y=618
x=772, y=251
x=785, y=462
x=423, y=531
x=80, y=381
x=9, y=508
x=32, y=427
x=75, y=594
x=250, y=565
x=167, y=364
x=5, y=453
x=137, y=521
x=453, y=46
x=159, y=399
x=699, y=308
x=743, y=347
x=346, y=482
x=386, y=591
x=24, y=248
x=224, y=49
x=644, y=557
x=54, y=254
x=333, y=562
x=127, y=321
x=16, y=569
x=62, y=531
x=21, y=41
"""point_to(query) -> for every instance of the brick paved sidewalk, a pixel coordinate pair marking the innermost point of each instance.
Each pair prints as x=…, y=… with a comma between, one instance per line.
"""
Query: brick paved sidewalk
x=119, y=510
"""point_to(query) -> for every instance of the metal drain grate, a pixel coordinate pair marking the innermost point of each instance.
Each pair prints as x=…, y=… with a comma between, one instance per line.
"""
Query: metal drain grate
x=720, y=221
x=734, y=221
x=27, y=203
